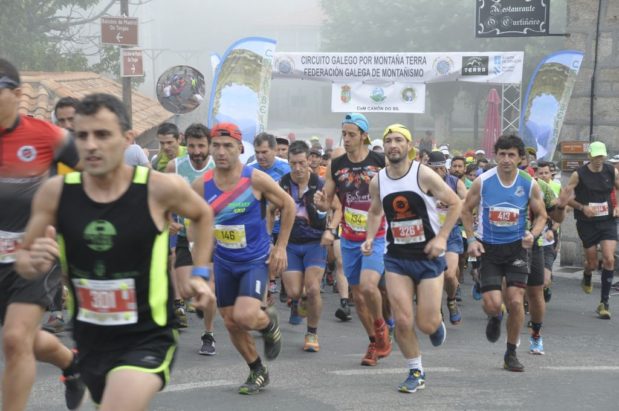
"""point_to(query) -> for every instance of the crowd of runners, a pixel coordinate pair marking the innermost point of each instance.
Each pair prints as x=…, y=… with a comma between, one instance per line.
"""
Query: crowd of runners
x=392, y=224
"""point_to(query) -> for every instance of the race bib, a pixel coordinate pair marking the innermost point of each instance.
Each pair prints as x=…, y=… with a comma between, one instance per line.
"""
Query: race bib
x=407, y=232
x=504, y=216
x=357, y=220
x=599, y=209
x=9, y=244
x=231, y=236
x=442, y=215
x=106, y=302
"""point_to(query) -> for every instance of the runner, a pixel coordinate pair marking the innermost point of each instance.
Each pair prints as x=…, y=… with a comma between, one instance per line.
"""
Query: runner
x=437, y=162
x=112, y=242
x=315, y=162
x=282, y=147
x=237, y=194
x=306, y=255
x=191, y=167
x=416, y=244
x=503, y=196
x=349, y=176
x=28, y=149
x=169, y=143
x=595, y=213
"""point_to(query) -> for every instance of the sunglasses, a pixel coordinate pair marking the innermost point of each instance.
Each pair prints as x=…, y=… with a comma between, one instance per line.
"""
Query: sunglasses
x=6, y=82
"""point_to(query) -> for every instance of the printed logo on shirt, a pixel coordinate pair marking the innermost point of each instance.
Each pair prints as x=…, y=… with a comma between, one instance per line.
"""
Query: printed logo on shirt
x=99, y=235
x=27, y=153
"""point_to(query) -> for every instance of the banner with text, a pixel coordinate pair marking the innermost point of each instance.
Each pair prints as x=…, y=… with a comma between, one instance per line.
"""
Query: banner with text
x=389, y=98
x=478, y=67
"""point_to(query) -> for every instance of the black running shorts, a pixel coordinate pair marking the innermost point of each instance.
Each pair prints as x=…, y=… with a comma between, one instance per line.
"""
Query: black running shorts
x=503, y=260
x=592, y=233
x=536, y=274
x=182, y=253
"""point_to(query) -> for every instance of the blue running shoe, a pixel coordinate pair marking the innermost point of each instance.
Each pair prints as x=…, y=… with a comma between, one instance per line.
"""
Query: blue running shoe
x=415, y=381
x=536, y=345
x=476, y=291
x=454, y=312
x=439, y=336
x=295, y=318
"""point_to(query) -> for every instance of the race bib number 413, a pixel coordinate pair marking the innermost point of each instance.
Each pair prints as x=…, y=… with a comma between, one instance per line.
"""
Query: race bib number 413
x=231, y=236
x=106, y=302
x=504, y=216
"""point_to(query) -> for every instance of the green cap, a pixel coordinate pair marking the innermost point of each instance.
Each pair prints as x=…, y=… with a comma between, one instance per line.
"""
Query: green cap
x=597, y=149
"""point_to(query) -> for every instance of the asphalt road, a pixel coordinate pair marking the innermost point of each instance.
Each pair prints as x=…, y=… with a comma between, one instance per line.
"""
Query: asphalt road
x=579, y=371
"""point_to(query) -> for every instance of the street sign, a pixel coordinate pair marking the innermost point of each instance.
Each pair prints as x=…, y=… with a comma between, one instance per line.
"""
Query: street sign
x=572, y=164
x=119, y=31
x=131, y=63
x=574, y=147
x=512, y=18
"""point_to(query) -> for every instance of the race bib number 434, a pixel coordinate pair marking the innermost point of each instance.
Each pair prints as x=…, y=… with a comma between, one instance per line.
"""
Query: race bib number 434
x=504, y=216
x=231, y=236
x=106, y=302
x=356, y=219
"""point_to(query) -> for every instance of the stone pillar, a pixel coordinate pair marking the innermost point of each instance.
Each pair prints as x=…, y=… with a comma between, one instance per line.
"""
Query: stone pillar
x=581, y=25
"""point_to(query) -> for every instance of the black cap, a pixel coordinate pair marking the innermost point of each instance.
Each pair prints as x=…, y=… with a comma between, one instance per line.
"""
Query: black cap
x=436, y=159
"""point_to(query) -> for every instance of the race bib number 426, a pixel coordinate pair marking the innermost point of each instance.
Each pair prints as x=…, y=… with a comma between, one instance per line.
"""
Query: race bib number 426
x=231, y=236
x=106, y=302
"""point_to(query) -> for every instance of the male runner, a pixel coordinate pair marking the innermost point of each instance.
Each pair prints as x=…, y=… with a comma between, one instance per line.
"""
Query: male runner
x=191, y=167
x=349, y=176
x=113, y=241
x=437, y=162
x=169, y=146
x=243, y=253
x=596, y=215
x=502, y=197
x=28, y=148
x=408, y=192
x=282, y=147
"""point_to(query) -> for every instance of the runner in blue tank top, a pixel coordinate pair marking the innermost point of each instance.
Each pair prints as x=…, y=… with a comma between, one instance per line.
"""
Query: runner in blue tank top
x=502, y=197
x=237, y=195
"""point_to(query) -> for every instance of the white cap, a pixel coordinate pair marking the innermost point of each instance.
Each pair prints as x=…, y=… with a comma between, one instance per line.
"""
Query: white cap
x=480, y=152
x=615, y=159
x=377, y=143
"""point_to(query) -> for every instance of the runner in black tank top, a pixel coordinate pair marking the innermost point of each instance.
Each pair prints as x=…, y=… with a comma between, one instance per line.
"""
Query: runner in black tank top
x=112, y=240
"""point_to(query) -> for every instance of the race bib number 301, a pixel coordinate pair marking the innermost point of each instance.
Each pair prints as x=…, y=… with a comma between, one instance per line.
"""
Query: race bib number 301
x=407, y=232
x=504, y=216
x=357, y=220
x=106, y=302
x=231, y=236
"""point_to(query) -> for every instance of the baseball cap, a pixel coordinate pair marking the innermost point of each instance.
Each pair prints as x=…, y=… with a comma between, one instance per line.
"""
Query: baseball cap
x=401, y=129
x=597, y=148
x=437, y=159
x=360, y=121
x=615, y=159
x=226, y=130
x=480, y=152
x=282, y=140
x=315, y=150
x=314, y=138
x=377, y=143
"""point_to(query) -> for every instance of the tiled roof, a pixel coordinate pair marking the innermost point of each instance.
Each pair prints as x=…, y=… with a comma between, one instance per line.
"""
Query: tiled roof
x=41, y=91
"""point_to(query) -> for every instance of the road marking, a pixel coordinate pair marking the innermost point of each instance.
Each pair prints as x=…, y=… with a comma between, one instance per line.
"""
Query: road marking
x=194, y=385
x=583, y=368
x=383, y=371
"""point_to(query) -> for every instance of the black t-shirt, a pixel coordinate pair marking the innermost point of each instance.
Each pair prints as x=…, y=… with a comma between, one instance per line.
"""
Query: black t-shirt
x=594, y=190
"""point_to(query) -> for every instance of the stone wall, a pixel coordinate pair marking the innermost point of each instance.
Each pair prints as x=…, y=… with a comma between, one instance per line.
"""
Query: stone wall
x=581, y=25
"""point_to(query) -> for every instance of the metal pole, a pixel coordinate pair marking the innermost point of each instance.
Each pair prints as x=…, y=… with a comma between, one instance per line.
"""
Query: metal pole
x=126, y=81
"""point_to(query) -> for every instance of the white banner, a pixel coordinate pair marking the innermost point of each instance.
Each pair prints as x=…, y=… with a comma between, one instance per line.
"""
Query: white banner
x=478, y=67
x=389, y=98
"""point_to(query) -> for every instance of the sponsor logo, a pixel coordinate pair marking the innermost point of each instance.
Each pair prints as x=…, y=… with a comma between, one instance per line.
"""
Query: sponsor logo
x=409, y=95
x=345, y=94
x=378, y=95
x=443, y=65
x=519, y=191
x=27, y=153
x=284, y=65
x=498, y=65
x=474, y=65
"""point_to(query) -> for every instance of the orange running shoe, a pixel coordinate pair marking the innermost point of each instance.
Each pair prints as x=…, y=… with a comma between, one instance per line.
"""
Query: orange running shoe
x=383, y=342
x=370, y=358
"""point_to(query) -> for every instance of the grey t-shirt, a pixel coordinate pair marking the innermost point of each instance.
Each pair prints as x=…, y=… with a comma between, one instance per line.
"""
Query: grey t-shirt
x=134, y=156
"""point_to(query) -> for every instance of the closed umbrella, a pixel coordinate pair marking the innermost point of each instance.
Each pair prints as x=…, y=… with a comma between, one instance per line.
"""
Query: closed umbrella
x=492, y=127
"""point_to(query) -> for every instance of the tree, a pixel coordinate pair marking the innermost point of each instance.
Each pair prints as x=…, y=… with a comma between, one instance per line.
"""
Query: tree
x=421, y=26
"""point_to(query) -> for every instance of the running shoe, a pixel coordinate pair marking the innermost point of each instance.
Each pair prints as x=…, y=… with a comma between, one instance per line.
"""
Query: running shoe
x=615, y=286
x=272, y=337
x=208, y=344
x=586, y=284
x=415, y=381
x=370, y=358
x=180, y=314
x=476, y=291
x=536, y=345
x=383, y=344
x=603, y=312
x=439, y=336
x=454, y=312
x=295, y=318
x=55, y=324
x=493, y=328
x=511, y=362
x=311, y=343
x=343, y=313
x=547, y=294
x=75, y=389
x=256, y=381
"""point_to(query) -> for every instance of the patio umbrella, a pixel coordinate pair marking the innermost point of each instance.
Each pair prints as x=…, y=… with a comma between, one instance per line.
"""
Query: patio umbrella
x=492, y=128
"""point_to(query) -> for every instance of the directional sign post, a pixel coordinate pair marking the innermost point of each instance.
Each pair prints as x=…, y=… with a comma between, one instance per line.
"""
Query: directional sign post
x=131, y=63
x=119, y=31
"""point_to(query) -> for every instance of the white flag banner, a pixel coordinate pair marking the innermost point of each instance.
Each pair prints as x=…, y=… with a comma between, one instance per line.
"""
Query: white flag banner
x=478, y=67
x=377, y=98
